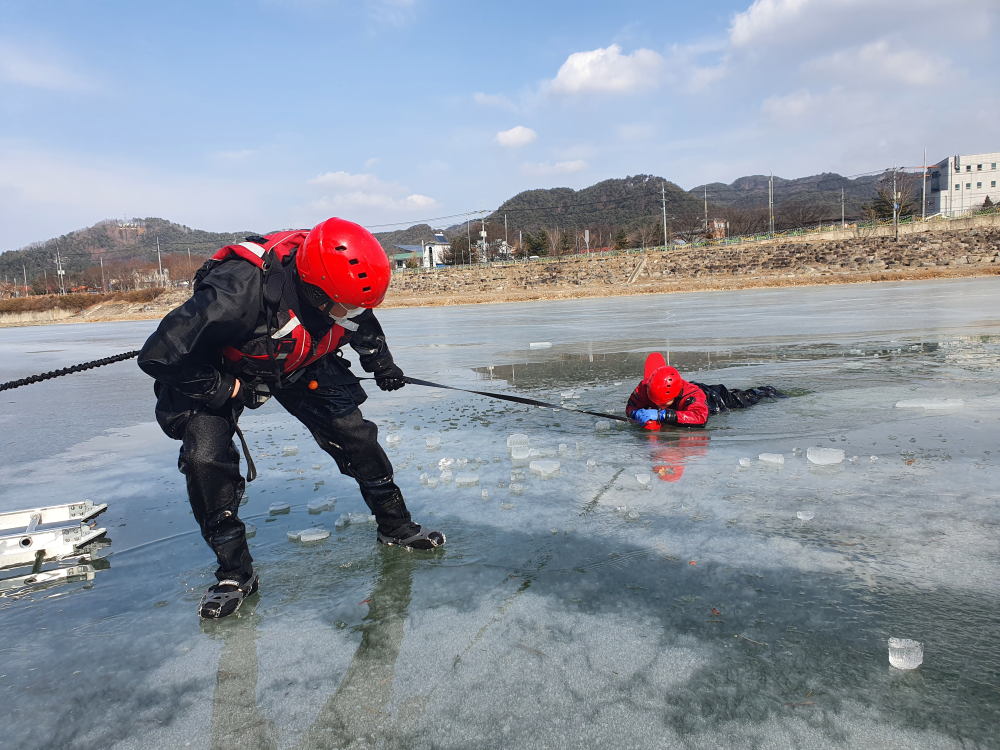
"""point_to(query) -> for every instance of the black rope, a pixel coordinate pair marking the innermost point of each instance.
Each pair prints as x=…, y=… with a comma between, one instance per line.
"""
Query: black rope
x=68, y=370
x=515, y=399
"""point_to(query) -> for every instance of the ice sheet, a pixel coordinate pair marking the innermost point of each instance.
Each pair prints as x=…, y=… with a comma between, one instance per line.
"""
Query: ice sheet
x=704, y=614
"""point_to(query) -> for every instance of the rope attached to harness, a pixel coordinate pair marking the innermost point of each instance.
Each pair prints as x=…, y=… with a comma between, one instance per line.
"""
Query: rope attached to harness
x=68, y=370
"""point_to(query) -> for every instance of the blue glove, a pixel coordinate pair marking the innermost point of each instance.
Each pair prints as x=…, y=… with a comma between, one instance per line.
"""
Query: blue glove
x=645, y=415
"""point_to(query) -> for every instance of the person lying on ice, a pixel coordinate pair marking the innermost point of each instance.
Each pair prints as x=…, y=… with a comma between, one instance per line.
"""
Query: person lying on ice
x=665, y=398
x=267, y=318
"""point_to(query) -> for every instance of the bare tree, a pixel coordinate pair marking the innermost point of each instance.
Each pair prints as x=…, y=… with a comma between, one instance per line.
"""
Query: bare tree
x=745, y=220
x=797, y=215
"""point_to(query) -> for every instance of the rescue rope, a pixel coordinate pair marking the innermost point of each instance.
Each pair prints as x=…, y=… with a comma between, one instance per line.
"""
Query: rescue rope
x=67, y=370
x=413, y=381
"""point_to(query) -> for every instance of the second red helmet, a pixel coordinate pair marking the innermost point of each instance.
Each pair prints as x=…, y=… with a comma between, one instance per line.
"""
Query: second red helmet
x=346, y=262
x=664, y=385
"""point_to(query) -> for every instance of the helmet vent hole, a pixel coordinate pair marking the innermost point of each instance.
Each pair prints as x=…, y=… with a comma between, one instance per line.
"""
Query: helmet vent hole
x=366, y=289
x=340, y=247
x=362, y=275
x=354, y=261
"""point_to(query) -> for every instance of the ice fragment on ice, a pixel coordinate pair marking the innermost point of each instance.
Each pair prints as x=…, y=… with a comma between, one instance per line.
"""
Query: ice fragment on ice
x=540, y=345
x=545, y=468
x=506, y=506
x=445, y=463
x=873, y=458
x=796, y=451
x=433, y=441
x=251, y=531
x=290, y=450
x=533, y=452
x=280, y=507
x=517, y=439
x=602, y=425
x=772, y=458
x=618, y=382
x=446, y=476
x=746, y=462
x=293, y=536
x=567, y=394
x=317, y=467
x=424, y=477
x=922, y=403
x=515, y=489
x=563, y=449
x=353, y=518
x=322, y=503
x=632, y=515
x=461, y=463
x=519, y=452
x=591, y=464
x=486, y=496
x=805, y=515
x=643, y=479
x=825, y=456
x=314, y=535
x=393, y=439
x=467, y=480
x=554, y=531
x=905, y=654
x=517, y=476
x=432, y=482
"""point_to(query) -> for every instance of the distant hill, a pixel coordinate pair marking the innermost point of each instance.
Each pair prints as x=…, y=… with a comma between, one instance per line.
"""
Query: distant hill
x=819, y=190
x=411, y=236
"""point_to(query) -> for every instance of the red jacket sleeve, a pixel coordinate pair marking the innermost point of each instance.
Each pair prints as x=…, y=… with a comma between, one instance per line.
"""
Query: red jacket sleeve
x=691, y=406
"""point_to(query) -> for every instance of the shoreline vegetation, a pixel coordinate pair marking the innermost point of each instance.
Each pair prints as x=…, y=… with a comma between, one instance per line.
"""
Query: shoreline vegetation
x=153, y=304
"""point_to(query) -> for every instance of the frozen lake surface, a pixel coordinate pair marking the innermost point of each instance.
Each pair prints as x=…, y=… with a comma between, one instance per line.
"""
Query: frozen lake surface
x=668, y=594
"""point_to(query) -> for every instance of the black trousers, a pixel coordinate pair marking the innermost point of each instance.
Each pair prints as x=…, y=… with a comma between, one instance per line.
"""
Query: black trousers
x=210, y=461
x=719, y=398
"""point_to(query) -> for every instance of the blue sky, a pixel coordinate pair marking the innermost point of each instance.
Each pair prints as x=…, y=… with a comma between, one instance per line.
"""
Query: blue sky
x=258, y=115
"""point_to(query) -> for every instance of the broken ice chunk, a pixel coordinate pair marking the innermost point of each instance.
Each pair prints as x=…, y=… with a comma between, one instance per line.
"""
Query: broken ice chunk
x=446, y=463
x=486, y=496
x=317, y=467
x=519, y=453
x=279, y=507
x=506, y=506
x=516, y=489
x=347, y=519
x=320, y=504
x=602, y=425
x=446, y=476
x=805, y=515
x=540, y=345
x=567, y=394
x=544, y=468
x=825, y=456
x=746, y=462
x=293, y=536
x=432, y=482
x=313, y=535
x=905, y=654
x=796, y=451
x=517, y=439
x=433, y=442
x=554, y=530
x=643, y=479
x=251, y=531
x=461, y=463
x=517, y=476
x=632, y=515
x=290, y=450
x=873, y=458
x=618, y=382
x=591, y=464
x=424, y=477
x=771, y=458
x=393, y=439
x=467, y=480
x=563, y=449
x=923, y=403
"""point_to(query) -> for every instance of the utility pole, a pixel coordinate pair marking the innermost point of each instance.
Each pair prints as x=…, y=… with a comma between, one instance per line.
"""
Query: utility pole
x=482, y=232
x=104, y=287
x=158, y=261
x=770, y=202
x=520, y=242
x=505, y=230
x=468, y=231
x=25, y=272
x=895, y=203
x=923, y=189
x=60, y=272
x=706, y=212
x=663, y=194
x=843, y=224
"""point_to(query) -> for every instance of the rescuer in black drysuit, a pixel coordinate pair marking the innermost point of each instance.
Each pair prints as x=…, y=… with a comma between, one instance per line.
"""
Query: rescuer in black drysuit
x=263, y=321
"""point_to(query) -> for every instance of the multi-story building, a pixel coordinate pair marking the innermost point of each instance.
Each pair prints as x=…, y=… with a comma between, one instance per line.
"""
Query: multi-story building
x=960, y=183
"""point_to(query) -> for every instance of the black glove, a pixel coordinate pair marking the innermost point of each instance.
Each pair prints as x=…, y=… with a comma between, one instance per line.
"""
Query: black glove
x=667, y=416
x=253, y=395
x=390, y=379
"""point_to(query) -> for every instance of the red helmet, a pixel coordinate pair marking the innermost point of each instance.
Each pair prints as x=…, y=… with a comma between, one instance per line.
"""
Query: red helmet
x=344, y=261
x=664, y=385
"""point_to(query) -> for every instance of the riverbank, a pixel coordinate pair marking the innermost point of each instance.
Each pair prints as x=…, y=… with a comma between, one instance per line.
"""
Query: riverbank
x=928, y=255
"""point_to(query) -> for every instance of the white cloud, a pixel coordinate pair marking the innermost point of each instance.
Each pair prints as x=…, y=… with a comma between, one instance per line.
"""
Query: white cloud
x=763, y=17
x=365, y=191
x=607, y=70
x=392, y=12
x=348, y=181
x=547, y=170
x=371, y=162
x=879, y=62
x=516, y=137
x=30, y=70
x=493, y=100
x=791, y=106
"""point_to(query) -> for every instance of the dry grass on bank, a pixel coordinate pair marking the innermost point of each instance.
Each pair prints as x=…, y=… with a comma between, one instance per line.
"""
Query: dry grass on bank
x=74, y=302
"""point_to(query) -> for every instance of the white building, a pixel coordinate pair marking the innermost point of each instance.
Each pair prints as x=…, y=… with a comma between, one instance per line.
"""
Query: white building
x=960, y=183
x=431, y=253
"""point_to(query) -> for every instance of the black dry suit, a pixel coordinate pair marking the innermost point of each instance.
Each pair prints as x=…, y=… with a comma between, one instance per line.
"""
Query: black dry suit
x=248, y=319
